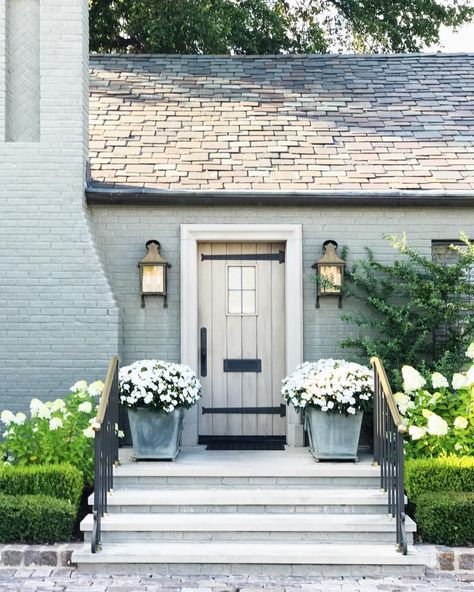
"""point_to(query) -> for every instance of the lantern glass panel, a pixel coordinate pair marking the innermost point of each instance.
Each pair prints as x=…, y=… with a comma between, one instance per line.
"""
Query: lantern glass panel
x=332, y=274
x=153, y=280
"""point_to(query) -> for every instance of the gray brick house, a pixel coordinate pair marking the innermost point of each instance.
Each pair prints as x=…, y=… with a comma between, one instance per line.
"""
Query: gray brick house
x=211, y=156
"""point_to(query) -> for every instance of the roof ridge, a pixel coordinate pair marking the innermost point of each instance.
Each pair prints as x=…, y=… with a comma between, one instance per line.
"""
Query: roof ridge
x=379, y=56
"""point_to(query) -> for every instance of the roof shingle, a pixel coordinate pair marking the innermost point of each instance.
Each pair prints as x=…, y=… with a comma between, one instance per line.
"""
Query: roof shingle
x=283, y=122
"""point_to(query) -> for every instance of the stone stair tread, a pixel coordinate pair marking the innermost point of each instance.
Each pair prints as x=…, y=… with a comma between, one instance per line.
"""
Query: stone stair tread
x=241, y=497
x=247, y=553
x=247, y=522
x=216, y=464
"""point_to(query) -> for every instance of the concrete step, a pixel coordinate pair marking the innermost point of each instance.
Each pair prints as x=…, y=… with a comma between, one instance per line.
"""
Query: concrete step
x=268, y=558
x=205, y=482
x=297, y=528
x=256, y=469
x=299, y=500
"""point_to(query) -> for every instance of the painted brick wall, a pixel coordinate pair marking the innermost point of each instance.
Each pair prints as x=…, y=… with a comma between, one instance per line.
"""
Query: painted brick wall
x=58, y=318
x=121, y=233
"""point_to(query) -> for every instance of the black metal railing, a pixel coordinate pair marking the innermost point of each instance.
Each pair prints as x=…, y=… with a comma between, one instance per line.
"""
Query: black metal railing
x=389, y=433
x=106, y=449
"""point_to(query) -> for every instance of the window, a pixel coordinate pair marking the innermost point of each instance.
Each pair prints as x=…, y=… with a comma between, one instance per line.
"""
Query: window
x=241, y=289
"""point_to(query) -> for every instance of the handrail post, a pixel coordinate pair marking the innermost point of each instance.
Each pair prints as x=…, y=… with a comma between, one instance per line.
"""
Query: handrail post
x=389, y=450
x=105, y=449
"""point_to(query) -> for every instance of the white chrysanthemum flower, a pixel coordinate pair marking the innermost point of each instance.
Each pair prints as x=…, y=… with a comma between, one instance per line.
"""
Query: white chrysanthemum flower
x=437, y=426
x=162, y=385
x=88, y=432
x=439, y=381
x=459, y=381
x=55, y=423
x=85, y=407
x=470, y=351
x=79, y=386
x=20, y=418
x=95, y=388
x=460, y=423
x=412, y=379
x=7, y=417
x=416, y=433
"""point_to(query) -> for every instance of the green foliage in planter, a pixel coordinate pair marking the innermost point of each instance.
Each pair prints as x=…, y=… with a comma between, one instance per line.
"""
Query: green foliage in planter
x=416, y=310
x=446, y=517
x=35, y=519
x=60, y=481
x=450, y=473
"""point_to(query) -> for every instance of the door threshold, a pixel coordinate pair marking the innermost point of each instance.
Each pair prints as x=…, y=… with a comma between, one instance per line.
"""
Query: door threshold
x=243, y=442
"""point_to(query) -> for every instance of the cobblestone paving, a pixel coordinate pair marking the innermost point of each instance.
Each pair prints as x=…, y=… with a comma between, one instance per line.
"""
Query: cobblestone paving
x=68, y=580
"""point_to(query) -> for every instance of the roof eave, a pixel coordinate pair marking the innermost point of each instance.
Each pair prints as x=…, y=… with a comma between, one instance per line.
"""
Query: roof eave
x=131, y=196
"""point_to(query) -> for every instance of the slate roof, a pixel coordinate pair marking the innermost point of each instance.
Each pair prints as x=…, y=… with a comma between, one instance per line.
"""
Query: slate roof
x=283, y=122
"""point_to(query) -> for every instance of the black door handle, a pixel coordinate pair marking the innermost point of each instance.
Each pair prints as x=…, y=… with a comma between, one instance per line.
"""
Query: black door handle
x=203, y=351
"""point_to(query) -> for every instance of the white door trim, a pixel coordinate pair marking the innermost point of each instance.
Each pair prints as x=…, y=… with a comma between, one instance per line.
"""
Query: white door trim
x=291, y=234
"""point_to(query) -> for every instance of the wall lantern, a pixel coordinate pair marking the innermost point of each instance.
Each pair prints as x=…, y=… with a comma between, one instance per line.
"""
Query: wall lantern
x=329, y=272
x=154, y=273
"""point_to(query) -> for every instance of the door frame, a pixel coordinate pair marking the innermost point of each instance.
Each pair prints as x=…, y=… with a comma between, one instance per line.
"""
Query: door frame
x=292, y=236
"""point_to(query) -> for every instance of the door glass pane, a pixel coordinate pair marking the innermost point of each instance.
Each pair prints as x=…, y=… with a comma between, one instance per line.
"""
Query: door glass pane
x=241, y=284
x=235, y=302
x=248, y=302
x=248, y=278
x=235, y=278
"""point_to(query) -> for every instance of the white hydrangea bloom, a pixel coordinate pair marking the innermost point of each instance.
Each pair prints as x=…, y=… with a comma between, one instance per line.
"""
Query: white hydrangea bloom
x=79, y=386
x=39, y=409
x=20, y=418
x=7, y=417
x=439, y=381
x=412, y=379
x=85, y=407
x=470, y=376
x=58, y=405
x=88, y=432
x=459, y=381
x=403, y=401
x=437, y=426
x=95, y=388
x=470, y=351
x=416, y=433
x=55, y=423
x=460, y=423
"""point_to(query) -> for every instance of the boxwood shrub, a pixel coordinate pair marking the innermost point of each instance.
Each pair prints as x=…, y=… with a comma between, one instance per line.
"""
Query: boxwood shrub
x=35, y=519
x=438, y=474
x=59, y=481
x=446, y=517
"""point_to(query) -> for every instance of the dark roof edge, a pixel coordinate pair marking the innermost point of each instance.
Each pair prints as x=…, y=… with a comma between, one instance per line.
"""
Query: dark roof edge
x=228, y=197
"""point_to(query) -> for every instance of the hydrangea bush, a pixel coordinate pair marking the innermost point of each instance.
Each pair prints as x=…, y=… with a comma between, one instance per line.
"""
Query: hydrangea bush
x=439, y=414
x=330, y=385
x=57, y=431
x=160, y=385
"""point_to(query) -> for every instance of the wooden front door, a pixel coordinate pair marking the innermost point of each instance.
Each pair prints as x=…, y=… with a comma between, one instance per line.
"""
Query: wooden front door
x=242, y=338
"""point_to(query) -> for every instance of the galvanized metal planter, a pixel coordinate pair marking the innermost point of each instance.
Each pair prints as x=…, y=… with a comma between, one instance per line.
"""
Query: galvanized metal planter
x=333, y=436
x=155, y=434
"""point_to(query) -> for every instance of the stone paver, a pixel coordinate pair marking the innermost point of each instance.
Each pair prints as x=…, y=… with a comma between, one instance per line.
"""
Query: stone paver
x=69, y=580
